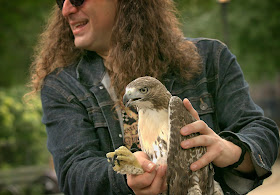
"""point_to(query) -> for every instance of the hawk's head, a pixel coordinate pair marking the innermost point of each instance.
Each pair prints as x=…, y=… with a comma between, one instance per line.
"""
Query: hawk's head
x=146, y=93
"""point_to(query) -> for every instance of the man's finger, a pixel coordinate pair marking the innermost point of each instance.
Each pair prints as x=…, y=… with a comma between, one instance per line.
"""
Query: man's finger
x=144, y=161
x=207, y=158
x=140, y=181
x=144, y=180
x=198, y=126
x=148, y=166
x=159, y=180
x=201, y=140
x=190, y=108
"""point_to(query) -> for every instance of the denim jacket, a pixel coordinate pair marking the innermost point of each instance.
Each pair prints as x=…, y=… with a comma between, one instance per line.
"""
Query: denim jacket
x=82, y=125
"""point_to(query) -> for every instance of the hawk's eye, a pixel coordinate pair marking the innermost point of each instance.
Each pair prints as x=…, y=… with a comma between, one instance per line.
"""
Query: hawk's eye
x=144, y=90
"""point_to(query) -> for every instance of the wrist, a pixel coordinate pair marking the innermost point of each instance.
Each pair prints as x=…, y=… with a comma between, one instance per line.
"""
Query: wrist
x=238, y=151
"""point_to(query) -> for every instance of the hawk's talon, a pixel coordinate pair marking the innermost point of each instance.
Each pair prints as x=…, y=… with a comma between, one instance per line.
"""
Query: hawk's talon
x=123, y=161
x=126, y=159
x=113, y=159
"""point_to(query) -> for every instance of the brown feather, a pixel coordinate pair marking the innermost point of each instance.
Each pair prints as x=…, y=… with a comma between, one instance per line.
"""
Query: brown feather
x=153, y=106
x=180, y=178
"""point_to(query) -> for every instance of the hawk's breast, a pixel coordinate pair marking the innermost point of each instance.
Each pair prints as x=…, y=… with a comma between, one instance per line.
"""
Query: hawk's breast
x=153, y=131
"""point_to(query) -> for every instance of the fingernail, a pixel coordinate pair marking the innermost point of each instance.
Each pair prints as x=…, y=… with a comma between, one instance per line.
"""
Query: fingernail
x=193, y=167
x=162, y=169
x=165, y=168
x=185, y=144
x=150, y=166
x=184, y=130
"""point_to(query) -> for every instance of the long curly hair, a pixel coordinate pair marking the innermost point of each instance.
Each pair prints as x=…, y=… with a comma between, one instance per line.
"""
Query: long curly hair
x=55, y=49
x=146, y=40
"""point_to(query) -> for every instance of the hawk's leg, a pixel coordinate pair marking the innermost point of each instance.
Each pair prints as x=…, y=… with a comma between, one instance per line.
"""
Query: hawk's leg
x=124, y=162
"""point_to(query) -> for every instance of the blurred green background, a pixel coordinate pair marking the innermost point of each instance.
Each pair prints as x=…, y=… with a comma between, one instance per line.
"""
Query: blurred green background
x=249, y=28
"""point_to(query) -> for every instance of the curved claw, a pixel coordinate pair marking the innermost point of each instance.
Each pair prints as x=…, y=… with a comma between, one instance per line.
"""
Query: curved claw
x=123, y=161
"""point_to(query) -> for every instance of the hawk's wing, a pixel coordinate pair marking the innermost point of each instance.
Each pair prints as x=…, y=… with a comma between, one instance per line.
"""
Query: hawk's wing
x=180, y=178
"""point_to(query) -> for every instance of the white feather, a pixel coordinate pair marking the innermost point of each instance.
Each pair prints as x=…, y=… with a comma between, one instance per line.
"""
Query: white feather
x=151, y=125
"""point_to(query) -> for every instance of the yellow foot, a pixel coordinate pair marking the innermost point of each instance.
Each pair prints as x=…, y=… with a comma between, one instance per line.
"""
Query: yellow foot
x=124, y=162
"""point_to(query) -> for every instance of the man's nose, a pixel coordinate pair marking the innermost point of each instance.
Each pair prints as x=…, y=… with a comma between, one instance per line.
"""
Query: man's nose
x=68, y=8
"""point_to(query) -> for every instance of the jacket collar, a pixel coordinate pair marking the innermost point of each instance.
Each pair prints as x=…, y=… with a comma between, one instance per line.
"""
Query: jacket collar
x=90, y=69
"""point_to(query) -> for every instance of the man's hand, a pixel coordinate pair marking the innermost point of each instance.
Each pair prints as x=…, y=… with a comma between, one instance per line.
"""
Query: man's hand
x=153, y=181
x=219, y=151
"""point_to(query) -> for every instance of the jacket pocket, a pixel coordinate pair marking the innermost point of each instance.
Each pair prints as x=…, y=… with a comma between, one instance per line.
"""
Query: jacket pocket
x=96, y=116
x=101, y=129
x=204, y=105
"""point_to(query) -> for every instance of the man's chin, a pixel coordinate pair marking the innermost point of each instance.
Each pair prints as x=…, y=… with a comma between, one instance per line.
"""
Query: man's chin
x=89, y=44
x=81, y=43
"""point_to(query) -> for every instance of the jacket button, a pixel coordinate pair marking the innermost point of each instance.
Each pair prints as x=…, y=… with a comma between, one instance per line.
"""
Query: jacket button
x=120, y=135
x=101, y=87
x=203, y=105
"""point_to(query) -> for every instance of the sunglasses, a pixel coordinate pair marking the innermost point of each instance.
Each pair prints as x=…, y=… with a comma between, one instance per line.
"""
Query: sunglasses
x=75, y=3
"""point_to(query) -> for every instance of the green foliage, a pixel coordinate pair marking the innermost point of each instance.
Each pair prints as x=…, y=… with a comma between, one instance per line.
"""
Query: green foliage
x=21, y=22
x=22, y=135
x=255, y=36
x=253, y=28
x=200, y=18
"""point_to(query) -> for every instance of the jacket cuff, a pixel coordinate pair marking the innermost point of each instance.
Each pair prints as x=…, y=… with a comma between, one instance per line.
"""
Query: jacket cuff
x=261, y=169
x=240, y=182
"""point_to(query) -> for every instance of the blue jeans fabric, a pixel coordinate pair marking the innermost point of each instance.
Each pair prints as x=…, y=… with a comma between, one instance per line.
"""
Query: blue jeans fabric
x=82, y=125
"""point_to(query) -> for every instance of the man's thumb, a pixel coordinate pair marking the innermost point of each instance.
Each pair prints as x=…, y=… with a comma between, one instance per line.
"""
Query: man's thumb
x=148, y=166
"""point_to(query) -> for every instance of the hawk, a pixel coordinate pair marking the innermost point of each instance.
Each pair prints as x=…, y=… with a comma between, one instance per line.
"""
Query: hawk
x=160, y=118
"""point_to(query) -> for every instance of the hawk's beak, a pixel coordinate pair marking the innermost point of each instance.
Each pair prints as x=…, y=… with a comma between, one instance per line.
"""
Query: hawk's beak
x=130, y=96
x=127, y=100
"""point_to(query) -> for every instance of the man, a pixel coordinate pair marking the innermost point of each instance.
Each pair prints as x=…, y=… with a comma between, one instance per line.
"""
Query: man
x=92, y=49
